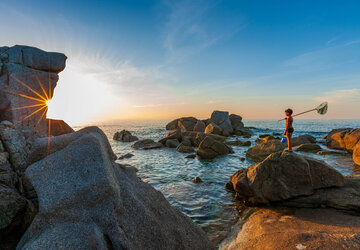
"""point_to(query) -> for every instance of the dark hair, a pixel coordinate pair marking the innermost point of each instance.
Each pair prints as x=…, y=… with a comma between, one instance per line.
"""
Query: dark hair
x=290, y=111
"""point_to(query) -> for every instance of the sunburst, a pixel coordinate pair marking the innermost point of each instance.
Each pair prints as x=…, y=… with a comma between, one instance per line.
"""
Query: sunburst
x=39, y=100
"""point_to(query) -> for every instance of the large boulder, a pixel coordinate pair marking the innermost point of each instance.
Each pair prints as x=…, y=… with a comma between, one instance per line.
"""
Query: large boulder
x=283, y=176
x=199, y=126
x=146, y=144
x=221, y=118
x=236, y=122
x=124, y=136
x=185, y=121
x=59, y=127
x=28, y=77
x=303, y=139
x=356, y=154
x=212, y=128
x=87, y=201
x=345, y=139
x=172, y=143
x=263, y=150
x=187, y=124
x=210, y=148
x=345, y=198
x=15, y=144
x=182, y=148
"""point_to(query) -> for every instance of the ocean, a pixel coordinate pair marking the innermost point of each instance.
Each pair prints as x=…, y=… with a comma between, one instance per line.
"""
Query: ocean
x=208, y=203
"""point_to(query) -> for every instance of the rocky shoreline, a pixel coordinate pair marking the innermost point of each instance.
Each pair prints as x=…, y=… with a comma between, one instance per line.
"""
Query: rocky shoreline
x=63, y=189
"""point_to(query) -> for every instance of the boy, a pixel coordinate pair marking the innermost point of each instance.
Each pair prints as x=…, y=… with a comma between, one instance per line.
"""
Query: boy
x=289, y=130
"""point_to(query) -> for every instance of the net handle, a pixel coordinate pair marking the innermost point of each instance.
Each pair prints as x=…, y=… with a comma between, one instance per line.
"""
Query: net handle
x=300, y=114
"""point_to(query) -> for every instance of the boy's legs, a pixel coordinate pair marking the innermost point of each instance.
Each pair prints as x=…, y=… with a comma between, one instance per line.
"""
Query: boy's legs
x=289, y=139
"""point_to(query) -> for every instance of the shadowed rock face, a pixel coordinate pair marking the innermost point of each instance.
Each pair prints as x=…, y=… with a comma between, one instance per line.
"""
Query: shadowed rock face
x=283, y=176
x=88, y=201
x=32, y=72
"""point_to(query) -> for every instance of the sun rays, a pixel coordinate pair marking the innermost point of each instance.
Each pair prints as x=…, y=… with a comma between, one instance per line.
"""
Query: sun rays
x=37, y=101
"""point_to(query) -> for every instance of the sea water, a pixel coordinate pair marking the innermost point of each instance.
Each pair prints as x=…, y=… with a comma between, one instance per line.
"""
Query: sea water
x=208, y=203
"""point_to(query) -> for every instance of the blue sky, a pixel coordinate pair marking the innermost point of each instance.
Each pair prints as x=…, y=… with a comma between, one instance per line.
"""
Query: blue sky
x=170, y=58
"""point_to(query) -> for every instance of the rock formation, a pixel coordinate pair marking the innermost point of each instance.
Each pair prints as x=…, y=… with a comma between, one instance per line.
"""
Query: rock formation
x=146, y=144
x=66, y=190
x=86, y=200
x=263, y=150
x=345, y=139
x=28, y=77
x=124, y=136
x=289, y=179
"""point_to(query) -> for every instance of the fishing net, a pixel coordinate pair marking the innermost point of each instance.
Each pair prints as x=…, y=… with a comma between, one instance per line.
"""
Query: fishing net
x=322, y=108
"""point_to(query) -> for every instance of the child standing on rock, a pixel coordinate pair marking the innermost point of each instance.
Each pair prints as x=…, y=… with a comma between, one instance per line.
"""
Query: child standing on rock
x=289, y=130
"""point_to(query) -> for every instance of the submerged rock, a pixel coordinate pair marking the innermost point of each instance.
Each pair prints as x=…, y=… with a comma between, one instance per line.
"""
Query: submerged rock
x=126, y=156
x=146, y=144
x=172, y=143
x=124, y=136
x=184, y=149
x=191, y=156
x=263, y=150
x=309, y=148
x=196, y=180
x=303, y=139
x=86, y=200
x=283, y=176
x=239, y=143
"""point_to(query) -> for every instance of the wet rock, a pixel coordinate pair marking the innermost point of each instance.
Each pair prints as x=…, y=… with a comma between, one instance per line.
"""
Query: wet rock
x=356, y=154
x=126, y=156
x=283, y=176
x=59, y=127
x=210, y=148
x=303, y=139
x=172, y=143
x=124, y=136
x=246, y=133
x=212, y=128
x=184, y=149
x=146, y=144
x=263, y=150
x=242, y=159
x=236, y=122
x=199, y=126
x=239, y=143
x=15, y=144
x=88, y=201
x=309, y=148
x=335, y=138
x=265, y=135
x=222, y=119
x=191, y=156
x=265, y=139
x=196, y=180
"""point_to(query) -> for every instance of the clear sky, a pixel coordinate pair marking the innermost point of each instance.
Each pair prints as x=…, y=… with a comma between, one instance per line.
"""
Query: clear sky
x=164, y=59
